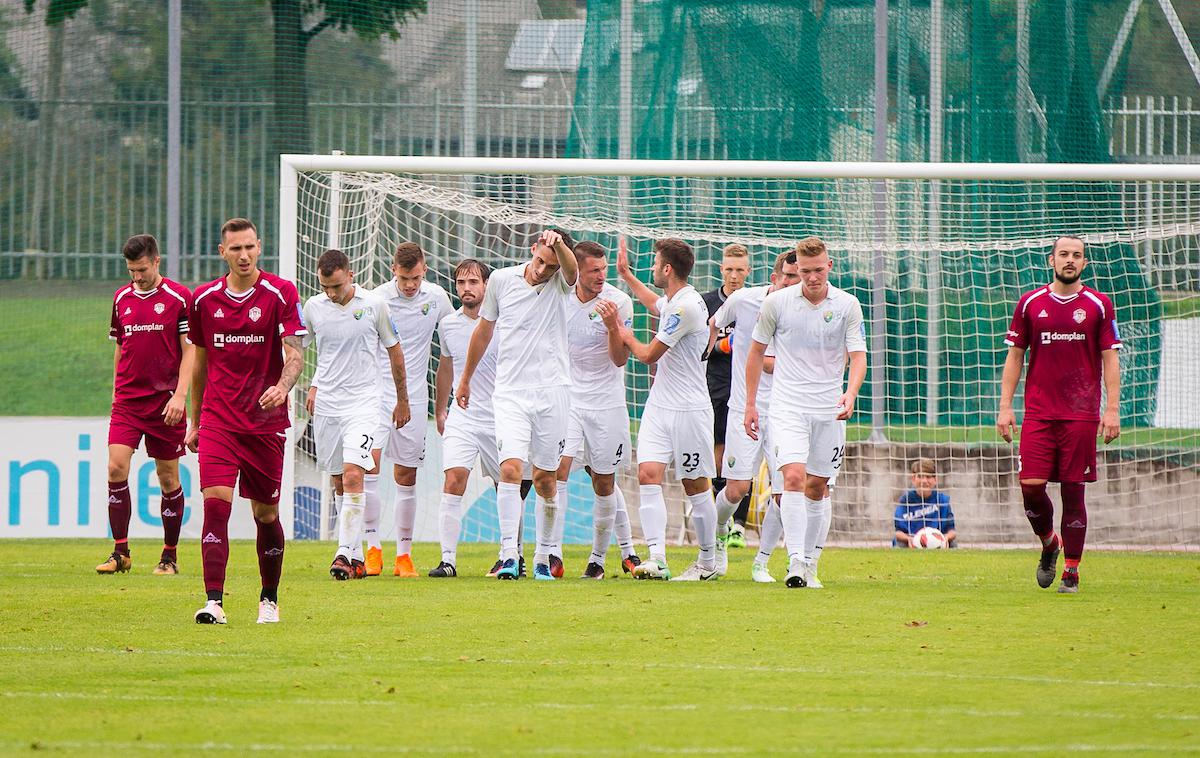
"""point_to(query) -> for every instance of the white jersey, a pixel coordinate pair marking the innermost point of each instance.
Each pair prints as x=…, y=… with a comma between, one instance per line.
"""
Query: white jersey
x=531, y=326
x=811, y=342
x=416, y=318
x=596, y=384
x=680, y=383
x=742, y=308
x=348, y=339
x=455, y=335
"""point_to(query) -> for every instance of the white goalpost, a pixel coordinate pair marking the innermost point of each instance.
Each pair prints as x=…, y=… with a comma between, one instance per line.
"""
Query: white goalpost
x=938, y=275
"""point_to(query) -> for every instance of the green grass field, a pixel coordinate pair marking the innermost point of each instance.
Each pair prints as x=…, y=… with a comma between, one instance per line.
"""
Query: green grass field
x=903, y=652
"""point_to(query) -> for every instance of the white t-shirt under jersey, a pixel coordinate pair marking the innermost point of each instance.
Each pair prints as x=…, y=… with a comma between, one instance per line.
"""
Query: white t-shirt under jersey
x=596, y=384
x=455, y=335
x=416, y=318
x=348, y=339
x=531, y=327
x=679, y=382
x=811, y=342
x=742, y=307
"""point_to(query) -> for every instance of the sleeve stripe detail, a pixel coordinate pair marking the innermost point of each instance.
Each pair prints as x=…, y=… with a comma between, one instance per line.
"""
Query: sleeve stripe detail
x=1099, y=303
x=174, y=294
x=1031, y=298
x=274, y=289
x=122, y=293
x=216, y=286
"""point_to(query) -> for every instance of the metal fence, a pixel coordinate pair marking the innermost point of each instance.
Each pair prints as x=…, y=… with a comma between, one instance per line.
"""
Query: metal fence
x=107, y=161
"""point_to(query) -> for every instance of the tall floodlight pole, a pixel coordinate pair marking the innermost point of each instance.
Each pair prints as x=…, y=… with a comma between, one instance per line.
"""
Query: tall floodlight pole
x=174, y=137
x=933, y=273
x=470, y=115
x=625, y=104
x=879, y=278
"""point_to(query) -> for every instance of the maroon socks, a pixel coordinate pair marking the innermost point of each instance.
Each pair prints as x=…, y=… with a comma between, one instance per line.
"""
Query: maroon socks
x=119, y=511
x=214, y=545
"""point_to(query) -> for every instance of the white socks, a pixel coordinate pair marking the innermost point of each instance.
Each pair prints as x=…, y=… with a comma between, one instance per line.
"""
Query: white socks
x=704, y=517
x=621, y=525
x=768, y=532
x=509, y=507
x=350, y=517
x=725, y=511
x=603, y=515
x=406, y=516
x=545, y=512
x=795, y=517
x=820, y=515
x=654, y=520
x=450, y=518
x=372, y=511
x=560, y=519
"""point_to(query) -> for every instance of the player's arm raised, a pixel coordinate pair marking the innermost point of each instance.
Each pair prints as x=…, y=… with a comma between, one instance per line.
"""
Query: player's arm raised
x=754, y=369
x=401, y=413
x=176, y=410
x=568, y=265
x=1006, y=420
x=644, y=294
x=443, y=386
x=480, y=339
x=1110, y=422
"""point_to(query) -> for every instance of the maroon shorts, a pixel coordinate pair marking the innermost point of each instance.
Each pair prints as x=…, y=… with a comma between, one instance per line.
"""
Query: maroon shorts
x=163, y=443
x=1058, y=451
x=256, y=458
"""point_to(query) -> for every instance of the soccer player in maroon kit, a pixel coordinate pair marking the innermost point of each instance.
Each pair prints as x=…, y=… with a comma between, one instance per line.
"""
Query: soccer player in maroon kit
x=151, y=368
x=1071, y=333
x=247, y=328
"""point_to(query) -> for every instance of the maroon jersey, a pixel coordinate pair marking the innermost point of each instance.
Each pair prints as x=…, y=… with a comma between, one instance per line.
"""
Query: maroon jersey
x=1065, y=336
x=147, y=326
x=242, y=335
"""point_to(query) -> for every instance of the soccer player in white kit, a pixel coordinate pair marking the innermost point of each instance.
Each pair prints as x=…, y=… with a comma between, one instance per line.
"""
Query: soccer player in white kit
x=416, y=307
x=677, y=422
x=813, y=327
x=598, y=430
x=468, y=434
x=744, y=455
x=526, y=308
x=350, y=325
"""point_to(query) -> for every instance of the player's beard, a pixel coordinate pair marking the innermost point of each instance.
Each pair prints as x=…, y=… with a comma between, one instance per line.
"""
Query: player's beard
x=1067, y=278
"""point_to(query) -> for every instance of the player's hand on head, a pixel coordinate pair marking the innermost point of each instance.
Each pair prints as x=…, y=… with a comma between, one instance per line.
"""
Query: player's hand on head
x=272, y=397
x=550, y=238
x=1006, y=424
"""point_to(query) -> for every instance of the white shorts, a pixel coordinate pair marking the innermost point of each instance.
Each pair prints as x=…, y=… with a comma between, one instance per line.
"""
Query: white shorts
x=743, y=456
x=532, y=425
x=405, y=445
x=685, y=437
x=463, y=444
x=598, y=439
x=344, y=439
x=817, y=441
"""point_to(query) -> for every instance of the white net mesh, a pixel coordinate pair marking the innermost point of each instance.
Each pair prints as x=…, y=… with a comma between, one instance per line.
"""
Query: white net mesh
x=938, y=266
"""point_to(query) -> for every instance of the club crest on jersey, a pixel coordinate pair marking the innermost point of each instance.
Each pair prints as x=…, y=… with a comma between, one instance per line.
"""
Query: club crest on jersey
x=255, y=313
x=828, y=316
x=1079, y=315
x=593, y=316
x=425, y=309
x=159, y=308
x=358, y=314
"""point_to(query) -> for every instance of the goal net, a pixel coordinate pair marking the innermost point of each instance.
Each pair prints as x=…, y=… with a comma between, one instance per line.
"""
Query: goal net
x=937, y=253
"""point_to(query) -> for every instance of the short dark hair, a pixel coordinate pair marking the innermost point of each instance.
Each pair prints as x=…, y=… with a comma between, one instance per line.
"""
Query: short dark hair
x=678, y=254
x=787, y=256
x=590, y=249
x=140, y=246
x=332, y=260
x=408, y=254
x=567, y=239
x=237, y=225
x=466, y=264
x=1062, y=237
